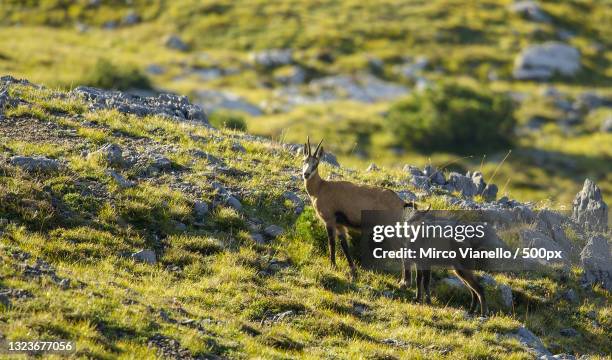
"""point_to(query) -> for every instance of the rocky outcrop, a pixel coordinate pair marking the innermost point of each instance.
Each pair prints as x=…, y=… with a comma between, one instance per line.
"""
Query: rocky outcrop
x=541, y=62
x=168, y=105
x=597, y=262
x=589, y=209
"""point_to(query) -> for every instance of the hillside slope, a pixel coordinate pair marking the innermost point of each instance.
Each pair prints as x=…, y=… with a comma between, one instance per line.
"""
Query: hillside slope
x=238, y=266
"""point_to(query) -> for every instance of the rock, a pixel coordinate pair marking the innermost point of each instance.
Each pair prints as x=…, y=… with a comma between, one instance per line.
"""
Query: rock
x=541, y=62
x=606, y=125
x=589, y=209
x=5, y=301
x=462, y=184
x=234, y=203
x=200, y=209
x=216, y=100
x=330, y=159
x=273, y=231
x=372, y=168
x=490, y=192
x=506, y=295
x=147, y=256
x=294, y=198
x=435, y=176
x=407, y=195
x=597, y=262
x=532, y=342
x=570, y=295
x=420, y=182
x=161, y=164
x=176, y=43
x=36, y=164
x=293, y=75
x=272, y=58
x=413, y=170
x=120, y=180
x=478, y=181
x=179, y=226
x=453, y=282
x=569, y=332
x=535, y=239
x=168, y=105
x=530, y=10
x=237, y=147
x=155, y=69
x=258, y=238
x=411, y=70
x=131, y=18
x=112, y=153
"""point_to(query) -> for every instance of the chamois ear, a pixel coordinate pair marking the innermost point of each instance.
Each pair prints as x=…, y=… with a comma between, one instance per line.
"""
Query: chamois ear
x=305, y=150
x=320, y=153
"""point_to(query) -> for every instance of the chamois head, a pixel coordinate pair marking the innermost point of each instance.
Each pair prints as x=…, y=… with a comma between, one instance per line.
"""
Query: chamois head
x=311, y=161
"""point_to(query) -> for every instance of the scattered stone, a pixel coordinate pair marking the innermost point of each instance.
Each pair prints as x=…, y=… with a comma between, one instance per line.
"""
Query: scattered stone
x=234, y=203
x=200, y=209
x=569, y=332
x=435, y=176
x=161, y=164
x=120, y=180
x=131, y=18
x=532, y=342
x=146, y=256
x=530, y=10
x=292, y=75
x=411, y=70
x=589, y=209
x=179, y=226
x=570, y=295
x=420, y=182
x=169, y=348
x=258, y=238
x=273, y=57
x=295, y=199
x=168, y=105
x=4, y=300
x=541, y=62
x=462, y=184
x=330, y=159
x=176, y=43
x=372, y=168
x=155, y=69
x=64, y=284
x=237, y=147
x=36, y=164
x=413, y=170
x=273, y=231
x=597, y=262
x=407, y=195
x=112, y=153
x=214, y=100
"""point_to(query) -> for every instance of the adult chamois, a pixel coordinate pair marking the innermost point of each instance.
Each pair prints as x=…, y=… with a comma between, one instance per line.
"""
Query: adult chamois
x=339, y=205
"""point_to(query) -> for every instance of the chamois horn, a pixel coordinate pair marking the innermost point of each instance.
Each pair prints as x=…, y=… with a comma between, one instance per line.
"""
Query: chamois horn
x=318, y=146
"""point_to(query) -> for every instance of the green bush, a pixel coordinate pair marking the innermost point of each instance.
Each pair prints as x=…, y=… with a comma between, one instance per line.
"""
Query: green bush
x=452, y=117
x=107, y=75
x=228, y=120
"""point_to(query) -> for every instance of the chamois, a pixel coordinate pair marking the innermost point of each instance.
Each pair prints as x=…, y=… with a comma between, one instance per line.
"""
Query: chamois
x=339, y=204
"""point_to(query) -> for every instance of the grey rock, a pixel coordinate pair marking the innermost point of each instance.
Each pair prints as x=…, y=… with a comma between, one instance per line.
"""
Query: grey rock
x=272, y=57
x=208, y=74
x=161, y=163
x=453, y=282
x=606, y=125
x=478, y=180
x=36, y=164
x=596, y=261
x=179, y=226
x=200, y=209
x=147, y=256
x=131, y=18
x=569, y=332
x=112, y=153
x=462, y=184
x=435, y=176
x=490, y=192
x=488, y=280
x=570, y=295
x=155, y=69
x=168, y=105
x=258, y=238
x=411, y=70
x=372, y=168
x=506, y=295
x=120, y=180
x=532, y=342
x=530, y=10
x=413, y=170
x=540, y=62
x=217, y=100
x=234, y=203
x=407, y=195
x=420, y=182
x=589, y=209
x=330, y=158
x=5, y=301
x=295, y=75
x=273, y=231
x=176, y=43
x=237, y=147
x=295, y=199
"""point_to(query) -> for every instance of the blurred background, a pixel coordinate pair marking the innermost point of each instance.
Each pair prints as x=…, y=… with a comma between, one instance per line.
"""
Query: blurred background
x=453, y=83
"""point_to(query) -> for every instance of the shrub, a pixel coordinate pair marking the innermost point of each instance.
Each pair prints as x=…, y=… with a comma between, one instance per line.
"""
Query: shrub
x=107, y=75
x=452, y=117
x=228, y=120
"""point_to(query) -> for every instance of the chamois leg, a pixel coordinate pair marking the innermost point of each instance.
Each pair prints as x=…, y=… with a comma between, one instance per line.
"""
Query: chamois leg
x=331, y=242
x=406, y=280
x=426, y=287
x=345, y=249
x=419, y=285
x=474, y=285
x=473, y=296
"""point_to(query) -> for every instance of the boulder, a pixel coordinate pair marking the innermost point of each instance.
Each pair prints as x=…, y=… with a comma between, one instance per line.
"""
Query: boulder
x=36, y=164
x=589, y=209
x=462, y=184
x=234, y=203
x=217, y=100
x=200, y=209
x=435, y=176
x=490, y=192
x=532, y=342
x=112, y=153
x=420, y=182
x=506, y=295
x=541, y=62
x=597, y=262
x=407, y=195
x=146, y=256
x=176, y=43
x=530, y=10
x=272, y=57
x=273, y=231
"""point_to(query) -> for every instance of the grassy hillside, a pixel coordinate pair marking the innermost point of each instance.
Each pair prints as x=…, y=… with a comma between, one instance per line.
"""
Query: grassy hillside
x=67, y=234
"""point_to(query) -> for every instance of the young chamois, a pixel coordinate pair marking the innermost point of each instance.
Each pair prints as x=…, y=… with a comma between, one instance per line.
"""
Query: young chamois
x=339, y=204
